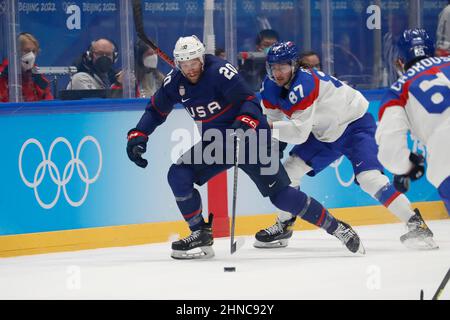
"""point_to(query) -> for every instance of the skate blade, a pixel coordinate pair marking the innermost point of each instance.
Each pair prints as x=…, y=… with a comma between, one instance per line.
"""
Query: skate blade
x=420, y=243
x=271, y=245
x=361, y=249
x=206, y=252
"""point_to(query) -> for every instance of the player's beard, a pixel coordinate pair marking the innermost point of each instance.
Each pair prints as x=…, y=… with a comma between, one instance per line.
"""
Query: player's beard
x=194, y=78
x=283, y=82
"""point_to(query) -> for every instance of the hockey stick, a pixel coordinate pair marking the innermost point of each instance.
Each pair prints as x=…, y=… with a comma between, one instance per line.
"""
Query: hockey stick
x=139, y=26
x=441, y=286
x=235, y=245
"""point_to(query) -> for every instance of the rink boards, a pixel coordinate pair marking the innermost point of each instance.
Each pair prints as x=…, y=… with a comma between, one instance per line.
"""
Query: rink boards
x=67, y=183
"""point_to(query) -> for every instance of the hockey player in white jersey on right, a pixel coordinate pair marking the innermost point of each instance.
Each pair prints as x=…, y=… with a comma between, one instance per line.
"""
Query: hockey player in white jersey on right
x=418, y=102
x=326, y=119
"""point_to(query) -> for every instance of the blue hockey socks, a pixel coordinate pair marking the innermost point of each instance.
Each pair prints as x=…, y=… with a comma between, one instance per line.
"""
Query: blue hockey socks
x=387, y=194
x=299, y=204
x=191, y=209
x=181, y=180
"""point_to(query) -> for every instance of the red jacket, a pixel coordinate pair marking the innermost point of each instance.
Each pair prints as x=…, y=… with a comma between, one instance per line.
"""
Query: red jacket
x=35, y=87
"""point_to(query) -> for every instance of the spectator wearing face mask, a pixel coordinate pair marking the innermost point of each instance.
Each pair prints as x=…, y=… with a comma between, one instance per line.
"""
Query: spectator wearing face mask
x=310, y=59
x=254, y=70
x=95, y=68
x=35, y=87
x=265, y=39
x=148, y=78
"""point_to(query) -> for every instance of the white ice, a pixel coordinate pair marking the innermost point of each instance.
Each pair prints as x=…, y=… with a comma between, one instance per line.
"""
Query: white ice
x=314, y=266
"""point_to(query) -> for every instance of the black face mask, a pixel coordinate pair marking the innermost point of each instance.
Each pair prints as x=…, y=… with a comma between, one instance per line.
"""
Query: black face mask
x=103, y=64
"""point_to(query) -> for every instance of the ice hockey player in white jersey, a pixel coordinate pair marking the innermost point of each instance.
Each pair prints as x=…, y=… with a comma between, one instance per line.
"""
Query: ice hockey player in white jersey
x=326, y=119
x=418, y=102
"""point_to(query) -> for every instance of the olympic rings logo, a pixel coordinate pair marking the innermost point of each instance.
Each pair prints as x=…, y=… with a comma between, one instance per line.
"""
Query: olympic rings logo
x=336, y=165
x=60, y=181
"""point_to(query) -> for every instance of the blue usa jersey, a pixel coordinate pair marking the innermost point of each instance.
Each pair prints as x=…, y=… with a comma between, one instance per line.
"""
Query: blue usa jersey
x=215, y=100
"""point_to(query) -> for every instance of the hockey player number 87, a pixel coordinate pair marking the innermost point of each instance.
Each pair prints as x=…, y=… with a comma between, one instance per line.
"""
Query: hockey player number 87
x=293, y=98
x=228, y=71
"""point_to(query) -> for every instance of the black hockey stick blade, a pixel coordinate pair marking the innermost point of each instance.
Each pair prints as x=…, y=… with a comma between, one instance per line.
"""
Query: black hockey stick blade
x=442, y=286
x=236, y=245
x=139, y=26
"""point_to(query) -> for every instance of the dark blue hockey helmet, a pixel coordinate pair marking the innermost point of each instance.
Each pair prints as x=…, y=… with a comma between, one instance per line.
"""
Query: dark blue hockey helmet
x=282, y=53
x=414, y=43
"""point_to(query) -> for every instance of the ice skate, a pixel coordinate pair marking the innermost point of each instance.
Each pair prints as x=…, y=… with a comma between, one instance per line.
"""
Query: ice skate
x=196, y=246
x=419, y=236
x=275, y=236
x=349, y=238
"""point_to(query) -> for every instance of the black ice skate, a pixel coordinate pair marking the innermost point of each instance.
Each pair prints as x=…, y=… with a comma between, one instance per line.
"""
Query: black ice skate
x=201, y=239
x=276, y=236
x=349, y=238
x=419, y=236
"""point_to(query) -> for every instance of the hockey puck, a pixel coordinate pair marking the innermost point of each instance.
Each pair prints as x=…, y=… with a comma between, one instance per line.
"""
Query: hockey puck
x=229, y=269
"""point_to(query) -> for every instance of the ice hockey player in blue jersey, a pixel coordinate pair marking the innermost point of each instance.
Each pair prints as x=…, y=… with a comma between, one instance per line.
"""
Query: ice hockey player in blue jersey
x=326, y=119
x=217, y=98
x=418, y=102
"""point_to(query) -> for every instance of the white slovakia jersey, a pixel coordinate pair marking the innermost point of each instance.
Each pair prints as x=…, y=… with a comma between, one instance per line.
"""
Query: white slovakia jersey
x=316, y=103
x=418, y=102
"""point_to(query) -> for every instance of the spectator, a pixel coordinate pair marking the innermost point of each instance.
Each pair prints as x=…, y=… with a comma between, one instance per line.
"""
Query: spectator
x=346, y=63
x=35, y=87
x=265, y=39
x=310, y=59
x=253, y=70
x=396, y=25
x=443, y=33
x=220, y=52
x=95, y=68
x=148, y=78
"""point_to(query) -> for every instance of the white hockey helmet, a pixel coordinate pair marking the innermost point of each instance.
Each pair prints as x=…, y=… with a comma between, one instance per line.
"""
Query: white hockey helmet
x=188, y=48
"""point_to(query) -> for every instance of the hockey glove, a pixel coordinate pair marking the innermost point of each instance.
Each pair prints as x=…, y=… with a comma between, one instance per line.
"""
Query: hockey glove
x=282, y=146
x=245, y=122
x=241, y=124
x=137, y=145
x=402, y=182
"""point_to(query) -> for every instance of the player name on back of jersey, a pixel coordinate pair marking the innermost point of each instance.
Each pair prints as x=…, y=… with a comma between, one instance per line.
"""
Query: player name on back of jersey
x=417, y=68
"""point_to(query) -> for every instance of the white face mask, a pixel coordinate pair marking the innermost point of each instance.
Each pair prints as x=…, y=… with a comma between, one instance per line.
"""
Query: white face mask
x=151, y=61
x=28, y=60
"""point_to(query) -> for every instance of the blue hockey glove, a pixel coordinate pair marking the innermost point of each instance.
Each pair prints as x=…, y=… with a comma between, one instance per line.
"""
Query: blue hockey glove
x=136, y=146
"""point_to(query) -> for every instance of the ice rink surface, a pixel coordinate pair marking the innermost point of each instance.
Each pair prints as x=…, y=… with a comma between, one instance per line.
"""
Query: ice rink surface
x=314, y=266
